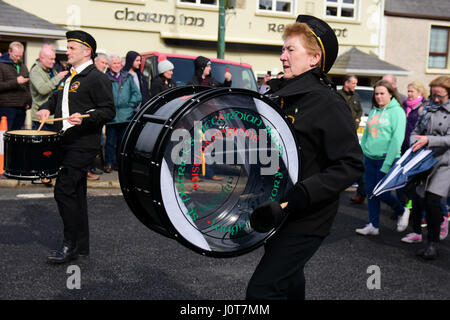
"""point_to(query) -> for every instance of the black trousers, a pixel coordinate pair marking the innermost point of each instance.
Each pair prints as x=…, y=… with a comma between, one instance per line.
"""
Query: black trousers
x=70, y=195
x=432, y=206
x=280, y=273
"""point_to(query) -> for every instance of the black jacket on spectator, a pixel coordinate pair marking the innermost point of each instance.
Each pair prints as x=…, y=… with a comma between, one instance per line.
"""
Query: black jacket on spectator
x=158, y=85
x=13, y=94
x=143, y=81
x=199, y=64
x=331, y=158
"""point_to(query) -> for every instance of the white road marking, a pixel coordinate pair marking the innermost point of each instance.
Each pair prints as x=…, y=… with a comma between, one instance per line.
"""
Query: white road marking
x=35, y=195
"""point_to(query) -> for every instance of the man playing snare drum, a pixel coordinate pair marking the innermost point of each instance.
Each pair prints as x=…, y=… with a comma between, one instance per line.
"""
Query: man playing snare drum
x=84, y=91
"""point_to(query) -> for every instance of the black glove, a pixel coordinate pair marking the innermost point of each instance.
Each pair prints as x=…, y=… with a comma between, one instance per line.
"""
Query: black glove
x=297, y=198
x=266, y=217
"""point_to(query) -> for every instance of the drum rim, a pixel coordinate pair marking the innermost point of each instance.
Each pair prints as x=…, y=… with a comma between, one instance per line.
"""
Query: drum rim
x=179, y=114
x=157, y=157
x=132, y=201
x=29, y=177
x=54, y=134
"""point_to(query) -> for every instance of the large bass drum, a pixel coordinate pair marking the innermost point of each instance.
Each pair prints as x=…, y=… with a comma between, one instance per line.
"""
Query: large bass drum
x=195, y=162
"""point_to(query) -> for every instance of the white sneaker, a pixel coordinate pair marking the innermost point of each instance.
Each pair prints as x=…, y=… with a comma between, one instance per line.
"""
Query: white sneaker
x=403, y=221
x=369, y=229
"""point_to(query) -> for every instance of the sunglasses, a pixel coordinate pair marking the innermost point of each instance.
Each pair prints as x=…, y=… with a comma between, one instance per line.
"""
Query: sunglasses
x=436, y=96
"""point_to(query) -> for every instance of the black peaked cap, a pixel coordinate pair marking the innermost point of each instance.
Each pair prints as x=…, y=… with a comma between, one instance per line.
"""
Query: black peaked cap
x=326, y=38
x=84, y=38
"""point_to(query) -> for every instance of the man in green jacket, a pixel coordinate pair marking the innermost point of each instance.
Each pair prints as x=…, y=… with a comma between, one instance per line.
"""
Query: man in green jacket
x=44, y=81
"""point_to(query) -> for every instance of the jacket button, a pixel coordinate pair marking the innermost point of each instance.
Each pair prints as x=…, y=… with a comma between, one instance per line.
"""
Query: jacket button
x=440, y=123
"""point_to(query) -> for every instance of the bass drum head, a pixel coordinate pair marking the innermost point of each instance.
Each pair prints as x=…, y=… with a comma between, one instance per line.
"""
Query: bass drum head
x=219, y=154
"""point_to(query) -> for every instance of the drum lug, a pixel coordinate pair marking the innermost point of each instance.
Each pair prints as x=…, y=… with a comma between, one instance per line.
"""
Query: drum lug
x=153, y=163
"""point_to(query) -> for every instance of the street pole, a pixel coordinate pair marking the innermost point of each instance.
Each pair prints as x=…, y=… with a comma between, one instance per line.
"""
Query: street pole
x=221, y=33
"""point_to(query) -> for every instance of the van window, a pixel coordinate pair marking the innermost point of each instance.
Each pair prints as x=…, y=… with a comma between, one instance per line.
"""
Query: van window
x=148, y=70
x=184, y=71
x=366, y=100
x=240, y=77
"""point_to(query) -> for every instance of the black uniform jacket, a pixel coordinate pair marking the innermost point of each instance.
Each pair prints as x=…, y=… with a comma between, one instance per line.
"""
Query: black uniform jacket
x=90, y=92
x=331, y=158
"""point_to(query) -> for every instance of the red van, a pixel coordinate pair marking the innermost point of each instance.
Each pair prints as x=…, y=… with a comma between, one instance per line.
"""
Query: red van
x=242, y=73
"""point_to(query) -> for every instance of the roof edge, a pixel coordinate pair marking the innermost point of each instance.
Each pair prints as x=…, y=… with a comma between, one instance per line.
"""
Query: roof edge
x=416, y=15
x=370, y=72
x=32, y=32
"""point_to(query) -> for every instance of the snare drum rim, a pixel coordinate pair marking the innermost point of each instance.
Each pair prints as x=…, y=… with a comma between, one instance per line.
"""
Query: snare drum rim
x=8, y=136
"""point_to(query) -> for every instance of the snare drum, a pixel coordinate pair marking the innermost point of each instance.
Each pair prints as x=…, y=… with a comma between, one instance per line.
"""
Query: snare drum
x=32, y=154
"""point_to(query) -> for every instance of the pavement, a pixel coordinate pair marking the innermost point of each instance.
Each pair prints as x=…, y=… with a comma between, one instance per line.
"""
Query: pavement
x=106, y=181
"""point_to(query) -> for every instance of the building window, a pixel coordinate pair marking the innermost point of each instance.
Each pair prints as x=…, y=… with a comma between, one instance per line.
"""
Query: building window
x=208, y=2
x=340, y=8
x=284, y=6
x=439, y=40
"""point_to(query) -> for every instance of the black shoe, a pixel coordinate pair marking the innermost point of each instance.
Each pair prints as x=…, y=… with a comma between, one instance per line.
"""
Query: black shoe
x=430, y=252
x=95, y=171
x=107, y=169
x=83, y=253
x=66, y=254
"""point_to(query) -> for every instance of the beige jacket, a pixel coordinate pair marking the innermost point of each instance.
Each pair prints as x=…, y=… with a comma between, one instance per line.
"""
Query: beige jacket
x=41, y=86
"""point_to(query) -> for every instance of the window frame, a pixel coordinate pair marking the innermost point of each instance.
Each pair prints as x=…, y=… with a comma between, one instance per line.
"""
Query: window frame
x=198, y=4
x=439, y=54
x=339, y=5
x=273, y=11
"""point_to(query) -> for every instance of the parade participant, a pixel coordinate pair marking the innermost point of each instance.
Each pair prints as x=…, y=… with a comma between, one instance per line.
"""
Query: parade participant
x=85, y=91
x=202, y=74
x=331, y=160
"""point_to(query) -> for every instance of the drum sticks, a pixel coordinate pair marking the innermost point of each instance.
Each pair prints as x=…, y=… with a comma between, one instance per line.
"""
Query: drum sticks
x=60, y=119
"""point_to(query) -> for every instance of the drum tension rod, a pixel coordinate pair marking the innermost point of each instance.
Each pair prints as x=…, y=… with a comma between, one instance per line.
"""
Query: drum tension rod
x=155, y=119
